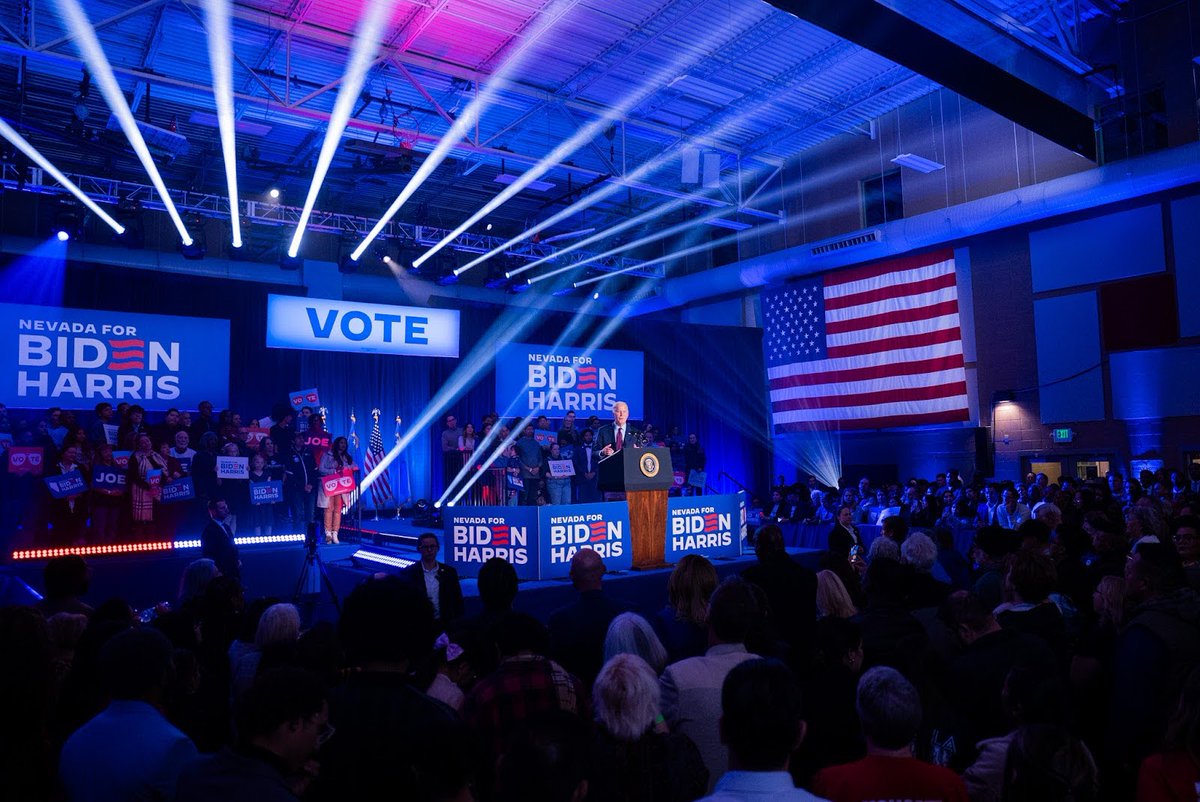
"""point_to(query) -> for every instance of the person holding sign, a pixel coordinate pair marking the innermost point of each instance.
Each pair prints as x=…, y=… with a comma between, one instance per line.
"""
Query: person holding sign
x=612, y=436
x=259, y=517
x=69, y=514
x=337, y=459
x=145, y=478
x=108, y=486
x=557, y=473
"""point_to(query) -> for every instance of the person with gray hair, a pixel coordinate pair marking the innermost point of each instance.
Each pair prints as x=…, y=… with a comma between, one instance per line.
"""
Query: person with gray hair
x=278, y=628
x=919, y=552
x=889, y=709
x=629, y=633
x=883, y=548
x=195, y=579
x=633, y=754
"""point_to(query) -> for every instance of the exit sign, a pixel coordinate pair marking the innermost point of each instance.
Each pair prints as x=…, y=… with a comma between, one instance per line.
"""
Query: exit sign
x=1062, y=435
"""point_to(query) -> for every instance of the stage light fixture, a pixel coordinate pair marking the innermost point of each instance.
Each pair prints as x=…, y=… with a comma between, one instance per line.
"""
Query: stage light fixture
x=192, y=251
x=220, y=56
x=347, y=265
x=89, y=48
x=63, y=235
x=18, y=141
x=466, y=120
x=489, y=226
x=362, y=53
x=595, y=296
x=288, y=262
x=274, y=193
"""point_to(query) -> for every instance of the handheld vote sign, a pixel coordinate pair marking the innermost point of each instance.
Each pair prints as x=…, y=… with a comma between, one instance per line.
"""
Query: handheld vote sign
x=266, y=492
x=154, y=477
x=122, y=458
x=179, y=490
x=67, y=485
x=25, y=459
x=305, y=398
x=339, y=483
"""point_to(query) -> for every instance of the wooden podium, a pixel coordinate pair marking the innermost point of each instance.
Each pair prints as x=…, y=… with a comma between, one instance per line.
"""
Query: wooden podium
x=643, y=475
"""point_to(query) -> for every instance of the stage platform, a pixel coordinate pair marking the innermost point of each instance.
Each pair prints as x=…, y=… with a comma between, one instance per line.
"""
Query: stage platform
x=273, y=570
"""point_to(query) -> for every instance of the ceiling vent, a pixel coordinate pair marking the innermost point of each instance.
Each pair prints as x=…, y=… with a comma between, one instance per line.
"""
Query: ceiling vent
x=846, y=243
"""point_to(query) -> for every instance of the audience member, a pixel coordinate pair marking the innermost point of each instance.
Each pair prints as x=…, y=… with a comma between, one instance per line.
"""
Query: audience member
x=683, y=623
x=889, y=710
x=790, y=587
x=691, y=688
x=633, y=757
x=130, y=750
x=65, y=579
x=577, y=631
x=629, y=633
x=438, y=581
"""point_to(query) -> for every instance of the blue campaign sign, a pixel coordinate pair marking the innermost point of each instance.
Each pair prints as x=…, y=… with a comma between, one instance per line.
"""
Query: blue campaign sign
x=475, y=535
x=66, y=485
x=707, y=525
x=318, y=324
x=105, y=477
x=75, y=358
x=266, y=492
x=179, y=490
x=602, y=527
x=551, y=380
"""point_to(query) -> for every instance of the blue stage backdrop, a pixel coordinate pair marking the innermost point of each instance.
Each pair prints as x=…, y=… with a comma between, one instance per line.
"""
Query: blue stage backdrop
x=706, y=380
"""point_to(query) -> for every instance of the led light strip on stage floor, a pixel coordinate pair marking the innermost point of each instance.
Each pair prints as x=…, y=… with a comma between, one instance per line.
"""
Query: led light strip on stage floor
x=142, y=548
x=383, y=559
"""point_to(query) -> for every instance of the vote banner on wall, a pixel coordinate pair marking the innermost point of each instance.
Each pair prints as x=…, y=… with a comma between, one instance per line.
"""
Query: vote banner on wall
x=183, y=489
x=66, y=485
x=25, y=459
x=602, y=527
x=318, y=324
x=564, y=379
x=474, y=535
x=108, y=477
x=75, y=358
x=708, y=525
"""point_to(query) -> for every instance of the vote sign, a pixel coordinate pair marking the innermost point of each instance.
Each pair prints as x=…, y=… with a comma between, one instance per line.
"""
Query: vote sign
x=25, y=459
x=305, y=398
x=339, y=483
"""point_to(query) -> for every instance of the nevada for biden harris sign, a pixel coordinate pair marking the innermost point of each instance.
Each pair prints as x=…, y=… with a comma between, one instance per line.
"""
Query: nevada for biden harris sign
x=553, y=381
x=76, y=358
x=323, y=325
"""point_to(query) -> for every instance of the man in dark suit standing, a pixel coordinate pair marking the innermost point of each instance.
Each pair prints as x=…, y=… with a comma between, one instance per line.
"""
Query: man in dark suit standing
x=216, y=540
x=577, y=631
x=438, y=581
x=612, y=437
x=586, y=457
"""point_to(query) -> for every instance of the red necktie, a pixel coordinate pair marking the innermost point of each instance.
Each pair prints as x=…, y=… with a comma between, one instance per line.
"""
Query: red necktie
x=620, y=439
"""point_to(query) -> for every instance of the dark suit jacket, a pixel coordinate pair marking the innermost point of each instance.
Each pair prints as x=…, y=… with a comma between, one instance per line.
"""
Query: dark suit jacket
x=841, y=540
x=588, y=488
x=450, y=596
x=792, y=592
x=607, y=435
x=217, y=545
x=577, y=633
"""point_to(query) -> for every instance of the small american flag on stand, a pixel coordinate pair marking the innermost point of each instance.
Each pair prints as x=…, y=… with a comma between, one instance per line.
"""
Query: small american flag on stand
x=867, y=348
x=381, y=488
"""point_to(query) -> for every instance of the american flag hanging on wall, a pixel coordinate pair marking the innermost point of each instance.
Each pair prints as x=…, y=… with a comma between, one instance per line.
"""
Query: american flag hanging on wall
x=381, y=488
x=867, y=347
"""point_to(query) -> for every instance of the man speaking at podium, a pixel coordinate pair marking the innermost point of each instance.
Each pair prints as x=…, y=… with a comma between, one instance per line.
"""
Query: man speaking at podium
x=612, y=437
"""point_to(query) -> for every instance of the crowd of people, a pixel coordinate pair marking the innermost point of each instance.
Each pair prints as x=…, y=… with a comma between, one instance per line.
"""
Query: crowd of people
x=292, y=448
x=524, y=473
x=1059, y=662
x=121, y=443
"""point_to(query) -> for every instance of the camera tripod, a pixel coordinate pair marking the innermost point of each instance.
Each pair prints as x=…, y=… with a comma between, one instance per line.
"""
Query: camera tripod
x=313, y=573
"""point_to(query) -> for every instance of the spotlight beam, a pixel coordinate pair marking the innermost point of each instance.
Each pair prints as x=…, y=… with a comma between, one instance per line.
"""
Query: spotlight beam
x=89, y=48
x=22, y=144
x=465, y=121
x=220, y=55
x=652, y=237
x=680, y=254
x=640, y=173
x=610, y=326
x=662, y=77
x=362, y=54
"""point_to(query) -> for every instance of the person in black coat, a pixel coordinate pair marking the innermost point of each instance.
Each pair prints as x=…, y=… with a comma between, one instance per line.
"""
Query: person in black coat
x=216, y=540
x=577, y=631
x=844, y=535
x=438, y=581
x=790, y=587
x=619, y=429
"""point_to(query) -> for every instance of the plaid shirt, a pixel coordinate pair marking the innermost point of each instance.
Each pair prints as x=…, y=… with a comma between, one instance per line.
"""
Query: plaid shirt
x=521, y=687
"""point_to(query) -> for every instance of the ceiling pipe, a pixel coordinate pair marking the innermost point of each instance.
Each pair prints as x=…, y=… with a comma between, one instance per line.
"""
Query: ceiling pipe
x=1122, y=181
